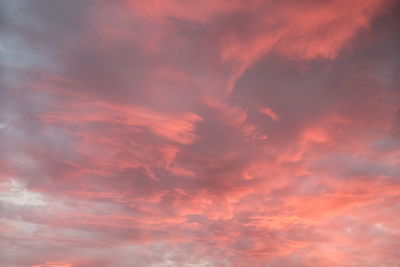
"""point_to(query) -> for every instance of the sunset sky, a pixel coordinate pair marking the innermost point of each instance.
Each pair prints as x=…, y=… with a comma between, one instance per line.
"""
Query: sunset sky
x=199, y=133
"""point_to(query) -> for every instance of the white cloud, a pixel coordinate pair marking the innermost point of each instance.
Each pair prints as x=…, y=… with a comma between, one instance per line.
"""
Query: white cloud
x=14, y=192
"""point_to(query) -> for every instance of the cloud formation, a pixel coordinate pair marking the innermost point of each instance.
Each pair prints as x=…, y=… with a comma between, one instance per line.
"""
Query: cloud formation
x=199, y=133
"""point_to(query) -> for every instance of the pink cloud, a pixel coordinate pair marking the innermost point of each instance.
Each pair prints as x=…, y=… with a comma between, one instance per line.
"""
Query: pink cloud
x=207, y=133
x=269, y=112
x=54, y=264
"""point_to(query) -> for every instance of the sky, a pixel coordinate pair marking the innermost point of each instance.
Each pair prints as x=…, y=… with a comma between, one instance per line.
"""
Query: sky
x=214, y=133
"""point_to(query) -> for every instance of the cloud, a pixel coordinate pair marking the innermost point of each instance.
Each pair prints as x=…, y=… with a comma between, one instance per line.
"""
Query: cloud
x=269, y=112
x=199, y=133
x=54, y=264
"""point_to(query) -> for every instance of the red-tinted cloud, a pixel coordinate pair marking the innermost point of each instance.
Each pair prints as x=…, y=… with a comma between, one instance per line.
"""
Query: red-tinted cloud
x=199, y=133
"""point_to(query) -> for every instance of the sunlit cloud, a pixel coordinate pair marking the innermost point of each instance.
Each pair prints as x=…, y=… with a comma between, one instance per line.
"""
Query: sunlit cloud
x=199, y=133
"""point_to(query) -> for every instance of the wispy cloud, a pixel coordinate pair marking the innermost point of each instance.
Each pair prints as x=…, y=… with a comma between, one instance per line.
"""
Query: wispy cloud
x=199, y=133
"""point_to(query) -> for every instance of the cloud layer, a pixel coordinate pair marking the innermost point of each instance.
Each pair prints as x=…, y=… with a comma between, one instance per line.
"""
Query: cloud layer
x=199, y=133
